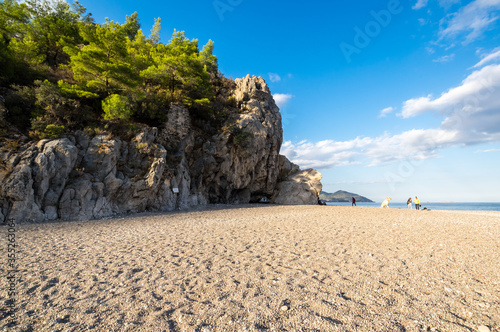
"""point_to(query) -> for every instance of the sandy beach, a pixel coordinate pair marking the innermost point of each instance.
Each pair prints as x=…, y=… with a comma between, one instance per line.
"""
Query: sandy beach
x=259, y=268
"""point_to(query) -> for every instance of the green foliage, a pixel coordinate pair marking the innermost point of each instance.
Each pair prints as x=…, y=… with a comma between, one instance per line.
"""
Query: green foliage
x=232, y=102
x=239, y=137
x=131, y=26
x=242, y=139
x=200, y=108
x=117, y=107
x=140, y=52
x=20, y=102
x=196, y=103
x=42, y=130
x=152, y=109
x=52, y=26
x=11, y=145
x=53, y=108
x=53, y=131
x=110, y=70
x=208, y=59
x=124, y=130
x=34, y=35
x=103, y=65
x=178, y=66
x=3, y=122
x=75, y=90
x=13, y=17
x=155, y=32
x=142, y=148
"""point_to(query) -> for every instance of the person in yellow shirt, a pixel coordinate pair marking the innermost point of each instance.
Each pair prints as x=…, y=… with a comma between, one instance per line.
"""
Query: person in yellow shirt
x=417, y=203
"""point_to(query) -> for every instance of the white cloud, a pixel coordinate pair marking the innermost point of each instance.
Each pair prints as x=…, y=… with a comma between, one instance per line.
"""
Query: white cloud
x=471, y=113
x=323, y=154
x=447, y=3
x=445, y=58
x=282, y=99
x=493, y=56
x=354, y=182
x=385, y=112
x=53, y=3
x=471, y=109
x=477, y=93
x=420, y=4
x=413, y=144
x=488, y=151
x=473, y=19
x=416, y=144
x=274, y=77
x=422, y=21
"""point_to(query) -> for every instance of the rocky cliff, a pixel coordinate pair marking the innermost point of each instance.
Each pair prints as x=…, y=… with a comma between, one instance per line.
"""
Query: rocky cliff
x=296, y=186
x=81, y=177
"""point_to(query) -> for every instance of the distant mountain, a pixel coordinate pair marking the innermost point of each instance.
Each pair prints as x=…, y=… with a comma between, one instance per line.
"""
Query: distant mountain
x=342, y=196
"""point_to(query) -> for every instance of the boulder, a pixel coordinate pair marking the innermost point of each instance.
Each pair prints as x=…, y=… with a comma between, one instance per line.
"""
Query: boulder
x=50, y=170
x=298, y=187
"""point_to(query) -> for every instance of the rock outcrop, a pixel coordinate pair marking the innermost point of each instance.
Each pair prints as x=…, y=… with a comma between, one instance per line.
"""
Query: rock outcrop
x=83, y=177
x=298, y=187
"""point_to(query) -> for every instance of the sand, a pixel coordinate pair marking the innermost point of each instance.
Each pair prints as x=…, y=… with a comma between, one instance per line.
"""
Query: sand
x=260, y=268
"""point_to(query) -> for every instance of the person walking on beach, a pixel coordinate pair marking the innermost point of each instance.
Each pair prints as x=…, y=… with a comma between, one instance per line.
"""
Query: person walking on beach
x=417, y=203
x=353, y=202
x=409, y=203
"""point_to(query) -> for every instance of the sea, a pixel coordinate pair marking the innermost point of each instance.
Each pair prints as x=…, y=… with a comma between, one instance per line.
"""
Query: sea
x=431, y=205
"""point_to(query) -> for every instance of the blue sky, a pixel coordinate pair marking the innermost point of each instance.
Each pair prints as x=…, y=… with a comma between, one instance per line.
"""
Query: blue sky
x=385, y=98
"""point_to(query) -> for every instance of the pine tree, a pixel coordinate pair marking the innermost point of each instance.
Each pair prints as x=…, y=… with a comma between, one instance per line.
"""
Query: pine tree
x=13, y=18
x=178, y=67
x=104, y=64
x=208, y=59
x=52, y=26
x=132, y=26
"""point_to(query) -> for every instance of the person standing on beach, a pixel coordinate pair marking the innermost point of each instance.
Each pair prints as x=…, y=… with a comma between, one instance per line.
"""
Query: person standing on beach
x=353, y=202
x=409, y=203
x=417, y=203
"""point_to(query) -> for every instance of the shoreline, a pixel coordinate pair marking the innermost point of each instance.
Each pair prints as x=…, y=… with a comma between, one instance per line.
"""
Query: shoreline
x=218, y=207
x=456, y=206
x=261, y=267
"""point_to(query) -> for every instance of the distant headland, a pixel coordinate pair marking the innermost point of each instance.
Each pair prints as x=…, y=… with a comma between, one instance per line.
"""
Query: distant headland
x=342, y=196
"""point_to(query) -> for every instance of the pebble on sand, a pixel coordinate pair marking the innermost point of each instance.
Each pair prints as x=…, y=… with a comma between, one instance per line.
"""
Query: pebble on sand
x=483, y=328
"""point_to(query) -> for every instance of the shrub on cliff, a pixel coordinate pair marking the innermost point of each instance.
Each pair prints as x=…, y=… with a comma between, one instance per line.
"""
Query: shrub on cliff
x=117, y=107
x=52, y=108
x=19, y=103
x=53, y=131
x=239, y=137
x=3, y=123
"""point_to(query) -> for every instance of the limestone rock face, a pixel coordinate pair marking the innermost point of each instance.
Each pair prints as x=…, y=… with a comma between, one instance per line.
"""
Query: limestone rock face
x=299, y=186
x=247, y=159
x=83, y=177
